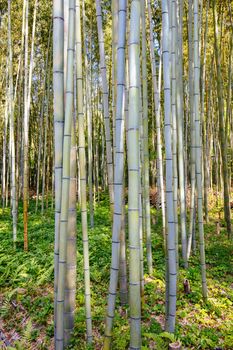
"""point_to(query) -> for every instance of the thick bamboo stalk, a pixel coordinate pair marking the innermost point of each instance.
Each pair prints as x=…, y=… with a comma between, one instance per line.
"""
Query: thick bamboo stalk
x=203, y=119
x=115, y=9
x=196, y=96
x=133, y=176
x=25, y=138
x=174, y=33
x=180, y=128
x=70, y=281
x=65, y=180
x=192, y=126
x=58, y=106
x=171, y=267
x=118, y=174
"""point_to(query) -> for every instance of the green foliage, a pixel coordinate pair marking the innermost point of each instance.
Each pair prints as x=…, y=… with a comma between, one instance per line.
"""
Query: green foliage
x=26, y=288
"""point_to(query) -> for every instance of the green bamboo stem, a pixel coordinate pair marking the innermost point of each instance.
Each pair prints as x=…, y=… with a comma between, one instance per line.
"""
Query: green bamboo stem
x=196, y=97
x=171, y=266
x=12, y=137
x=133, y=176
x=65, y=181
x=173, y=28
x=82, y=172
x=58, y=106
x=118, y=175
x=180, y=128
x=25, y=137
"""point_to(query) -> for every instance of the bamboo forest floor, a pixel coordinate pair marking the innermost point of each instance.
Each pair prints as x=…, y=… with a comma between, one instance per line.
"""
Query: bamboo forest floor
x=26, y=288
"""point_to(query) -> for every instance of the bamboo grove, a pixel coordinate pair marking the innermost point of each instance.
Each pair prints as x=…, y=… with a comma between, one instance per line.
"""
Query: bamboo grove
x=119, y=97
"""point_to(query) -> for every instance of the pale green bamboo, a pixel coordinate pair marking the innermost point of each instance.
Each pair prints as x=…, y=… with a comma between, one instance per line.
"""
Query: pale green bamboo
x=25, y=135
x=58, y=107
x=203, y=119
x=123, y=267
x=70, y=281
x=180, y=128
x=173, y=28
x=115, y=10
x=4, y=148
x=45, y=141
x=12, y=137
x=196, y=96
x=141, y=196
x=118, y=174
x=172, y=274
x=192, y=126
x=133, y=176
x=82, y=172
x=65, y=180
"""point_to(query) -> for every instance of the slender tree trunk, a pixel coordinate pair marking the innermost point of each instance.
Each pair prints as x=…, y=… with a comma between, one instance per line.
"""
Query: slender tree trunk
x=4, y=148
x=45, y=143
x=82, y=172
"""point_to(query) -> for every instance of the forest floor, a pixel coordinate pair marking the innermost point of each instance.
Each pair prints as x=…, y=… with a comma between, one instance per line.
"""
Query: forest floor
x=26, y=288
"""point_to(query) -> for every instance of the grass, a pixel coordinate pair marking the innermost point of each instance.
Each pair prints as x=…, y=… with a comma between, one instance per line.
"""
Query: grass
x=26, y=288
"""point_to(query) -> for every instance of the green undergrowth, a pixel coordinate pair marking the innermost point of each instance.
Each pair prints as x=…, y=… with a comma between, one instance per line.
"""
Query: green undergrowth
x=26, y=288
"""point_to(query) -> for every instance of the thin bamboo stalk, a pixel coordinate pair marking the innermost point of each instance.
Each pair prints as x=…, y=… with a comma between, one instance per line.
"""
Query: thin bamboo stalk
x=82, y=172
x=12, y=137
